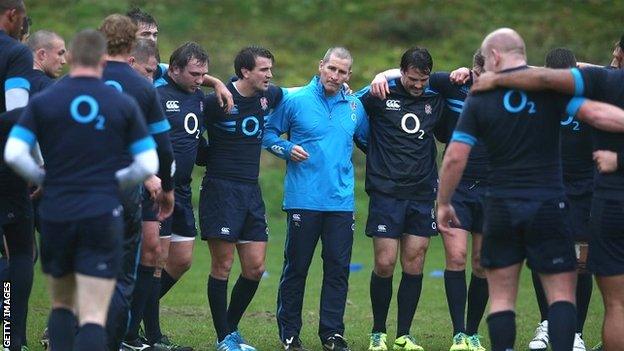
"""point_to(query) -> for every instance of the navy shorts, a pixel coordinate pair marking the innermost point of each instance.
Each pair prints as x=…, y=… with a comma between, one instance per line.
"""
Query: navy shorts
x=89, y=246
x=538, y=230
x=580, y=206
x=468, y=204
x=232, y=211
x=181, y=225
x=606, y=247
x=389, y=217
x=15, y=209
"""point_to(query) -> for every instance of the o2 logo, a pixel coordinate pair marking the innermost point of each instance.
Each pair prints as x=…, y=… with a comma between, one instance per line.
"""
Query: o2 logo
x=415, y=129
x=250, y=126
x=515, y=106
x=115, y=84
x=189, y=119
x=576, y=126
x=91, y=115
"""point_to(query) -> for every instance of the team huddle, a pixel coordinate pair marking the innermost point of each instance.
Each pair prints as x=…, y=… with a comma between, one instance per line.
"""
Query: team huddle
x=100, y=161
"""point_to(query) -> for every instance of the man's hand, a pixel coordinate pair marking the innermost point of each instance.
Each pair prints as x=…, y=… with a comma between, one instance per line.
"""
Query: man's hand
x=460, y=76
x=379, y=86
x=164, y=201
x=153, y=186
x=447, y=218
x=224, y=97
x=298, y=154
x=606, y=161
x=485, y=82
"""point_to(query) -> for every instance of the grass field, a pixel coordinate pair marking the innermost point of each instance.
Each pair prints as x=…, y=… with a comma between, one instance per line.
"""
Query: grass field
x=186, y=318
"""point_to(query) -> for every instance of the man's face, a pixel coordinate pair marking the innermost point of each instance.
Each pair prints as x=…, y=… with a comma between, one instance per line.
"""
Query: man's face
x=618, y=55
x=334, y=73
x=190, y=77
x=147, y=31
x=54, y=58
x=15, y=23
x=260, y=76
x=414, y=81
x=146, y=68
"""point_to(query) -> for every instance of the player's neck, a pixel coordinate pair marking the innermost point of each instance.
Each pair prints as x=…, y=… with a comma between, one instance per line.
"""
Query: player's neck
x=118, y=58
x=244, y=89
x=512, y=62
x=85, y=72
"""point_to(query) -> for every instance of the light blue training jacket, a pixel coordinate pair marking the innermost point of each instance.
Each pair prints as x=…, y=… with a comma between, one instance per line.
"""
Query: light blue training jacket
x=326, y=128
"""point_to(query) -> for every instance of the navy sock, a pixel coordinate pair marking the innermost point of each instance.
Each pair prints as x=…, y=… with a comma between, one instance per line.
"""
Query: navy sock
x=380, y=295
x=21, y=275
x=151, y=313
x=540, y=295
x=91, y=337
x=502, y=327
x=561, y=325
x=141, y=293
x=166, y=282
x=477, y=300
x=455, y=288
x=407, y=300
x=242, y=294
x=217, y=298
x=584, y=287
x=61, y=329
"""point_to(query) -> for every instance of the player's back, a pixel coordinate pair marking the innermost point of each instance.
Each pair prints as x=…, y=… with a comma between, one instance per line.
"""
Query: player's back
x=83, y=128
x=521, y=132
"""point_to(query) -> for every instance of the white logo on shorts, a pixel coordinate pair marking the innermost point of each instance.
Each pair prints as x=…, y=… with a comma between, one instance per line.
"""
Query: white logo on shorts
x=101, y=266
x=562, y=205
x=225, y=231
x=558, y=260
x=296, y=217
x=381, y=228
x=433, y=225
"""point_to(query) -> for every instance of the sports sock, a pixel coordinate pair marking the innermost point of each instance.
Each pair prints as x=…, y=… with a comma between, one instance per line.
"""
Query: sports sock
x=455, y=288
x=502, y=327
x=151, y=313
x=242, y=294
x=477, y=300
x=584, y=287
x=21, y=275
x=540, y=295
x=91, y=337
x=380, y=295
x=61, y=329
x=407, y=299
x=217, y=298
x=140, y=295
x=561, y=325
x=166, y=282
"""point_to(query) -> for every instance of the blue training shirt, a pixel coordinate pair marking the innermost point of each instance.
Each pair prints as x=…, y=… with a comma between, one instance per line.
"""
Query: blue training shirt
x=83, y=127
x=235, y=138
x=521, y=133
x=326, y=128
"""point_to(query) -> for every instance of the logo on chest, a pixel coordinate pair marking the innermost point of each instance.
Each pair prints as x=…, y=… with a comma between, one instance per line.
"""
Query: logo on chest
x=393, y=105
x=264, y=103
x=428, y=109
x=172, y=106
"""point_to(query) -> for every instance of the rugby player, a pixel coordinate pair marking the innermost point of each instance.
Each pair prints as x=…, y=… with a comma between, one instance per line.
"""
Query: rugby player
x=231, y=209
x=80, y=210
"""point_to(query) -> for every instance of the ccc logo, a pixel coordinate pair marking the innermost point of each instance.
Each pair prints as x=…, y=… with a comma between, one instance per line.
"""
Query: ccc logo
x=393, y=104
x=172, y=104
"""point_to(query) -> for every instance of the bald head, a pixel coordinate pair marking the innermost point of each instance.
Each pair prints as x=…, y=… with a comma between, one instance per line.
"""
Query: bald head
x=503, y=48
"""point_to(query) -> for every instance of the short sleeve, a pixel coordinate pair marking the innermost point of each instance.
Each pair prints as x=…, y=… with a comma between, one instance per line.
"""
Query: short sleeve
x=20, y=66
x=467, y=130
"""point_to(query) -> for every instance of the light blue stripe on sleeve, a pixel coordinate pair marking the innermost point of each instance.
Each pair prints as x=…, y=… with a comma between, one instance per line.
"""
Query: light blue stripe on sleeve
x=464, y=138
x=23, y=134
x=142, y=145
x=456, y=102
x=579, y=85
x=453, y=108
x=16, y=83
x=159, y=127
x=574, y=105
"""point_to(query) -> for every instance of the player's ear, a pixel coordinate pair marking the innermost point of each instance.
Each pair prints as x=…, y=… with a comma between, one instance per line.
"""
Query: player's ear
x=131, y=60
x=320, y=65
x=41, y=54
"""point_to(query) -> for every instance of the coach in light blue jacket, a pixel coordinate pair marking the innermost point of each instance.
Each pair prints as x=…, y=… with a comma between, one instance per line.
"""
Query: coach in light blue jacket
x=322, y=122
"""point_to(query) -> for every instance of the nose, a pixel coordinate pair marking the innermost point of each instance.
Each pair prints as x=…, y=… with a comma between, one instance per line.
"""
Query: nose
x=269, y=74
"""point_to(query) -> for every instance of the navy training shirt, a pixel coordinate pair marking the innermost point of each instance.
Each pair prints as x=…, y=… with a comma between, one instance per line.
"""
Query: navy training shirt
x=605, y=85
x=454, y=97
x=576, y=156
x=83, y=127
x=39, y=81
x=401, y=157
x=521, y=133
x=184, y=111
x=235, y=138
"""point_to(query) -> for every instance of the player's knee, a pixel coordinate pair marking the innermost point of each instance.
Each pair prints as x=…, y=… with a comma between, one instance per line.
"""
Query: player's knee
x=384, y=266
x=456, y=261
x=221, y=269
x=254, y=272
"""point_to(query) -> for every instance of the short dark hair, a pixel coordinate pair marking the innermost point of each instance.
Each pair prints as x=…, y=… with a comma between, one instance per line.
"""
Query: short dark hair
x=144, y=49
x=139, y=16
x=246, y=58
x=120, y=34
x=477, y=59
x=621, y=42
x=560, y=58
x=187, y=51
x=41, y=39
x=87, y=48
x=12, y=4
x=417, y=58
